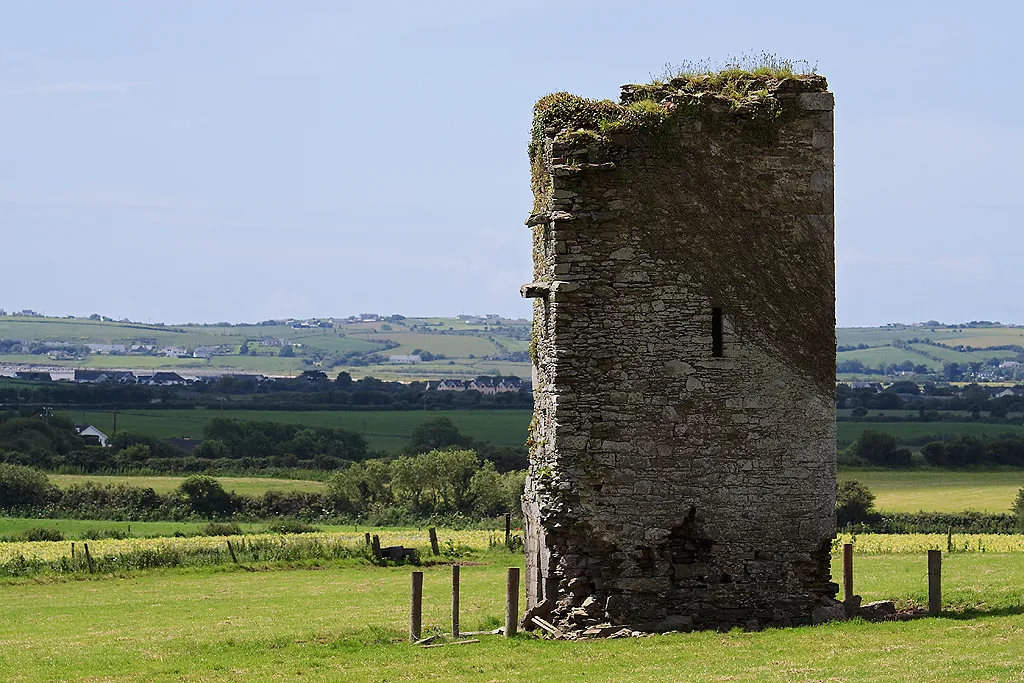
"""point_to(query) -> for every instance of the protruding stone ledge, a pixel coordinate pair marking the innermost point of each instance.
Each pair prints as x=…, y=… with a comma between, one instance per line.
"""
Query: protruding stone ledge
x=535, y=290
x=574, y=169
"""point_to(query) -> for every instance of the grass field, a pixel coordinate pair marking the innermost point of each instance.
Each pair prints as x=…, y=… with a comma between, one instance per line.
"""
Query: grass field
x=384, y=429
x=347, y=623
x=914, y=433
x=75, y=529
x=389, y=430
x=980, y=337
x=936, y=491
x=243, y=485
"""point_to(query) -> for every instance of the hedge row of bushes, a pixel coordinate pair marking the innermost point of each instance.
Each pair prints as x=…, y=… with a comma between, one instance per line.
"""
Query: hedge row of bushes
x=438, y=483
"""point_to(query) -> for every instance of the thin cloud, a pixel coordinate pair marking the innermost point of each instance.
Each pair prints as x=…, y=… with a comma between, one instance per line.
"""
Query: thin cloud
x=70, y=88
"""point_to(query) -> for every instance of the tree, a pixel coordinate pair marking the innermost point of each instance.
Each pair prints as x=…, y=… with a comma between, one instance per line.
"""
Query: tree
x=243, y=350
x=22, y=488
x=854, y=503
x=879, y=448
x=205, y=495
x=286, y=351
x=436, y=434
x=1018, y=509
x=934, y=453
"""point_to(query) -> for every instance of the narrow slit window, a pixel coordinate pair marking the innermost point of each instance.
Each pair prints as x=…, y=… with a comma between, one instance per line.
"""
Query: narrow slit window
x=716, y=332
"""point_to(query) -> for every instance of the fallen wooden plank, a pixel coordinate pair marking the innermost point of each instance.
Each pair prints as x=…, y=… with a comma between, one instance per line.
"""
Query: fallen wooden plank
x=495, y=632
x=454, y=642
x=426, y=640
x=547, y=626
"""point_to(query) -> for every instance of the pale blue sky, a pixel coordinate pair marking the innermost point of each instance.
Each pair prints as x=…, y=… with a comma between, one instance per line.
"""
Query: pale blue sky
x=204, y=161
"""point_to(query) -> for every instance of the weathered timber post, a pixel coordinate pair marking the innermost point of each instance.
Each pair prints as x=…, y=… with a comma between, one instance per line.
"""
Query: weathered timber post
x=508, y=529
x=415, y=606
x=88, y=557
x=934, y=581
x=72, y=550
x=367, y=535
x=232, y=551
x=511, y=601
x=847, y=571
x=433, y=542
x=455, y=601
x=376, y=548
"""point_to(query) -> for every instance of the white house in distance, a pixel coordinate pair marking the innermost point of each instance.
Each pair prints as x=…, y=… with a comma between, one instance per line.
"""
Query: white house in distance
x=484, y=386
x=405, y=360
x=89, y=430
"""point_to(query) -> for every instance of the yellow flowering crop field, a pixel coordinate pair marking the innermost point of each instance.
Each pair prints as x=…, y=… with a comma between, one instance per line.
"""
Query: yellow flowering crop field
x=903, y=544
x=872, y=544
x=54, y=550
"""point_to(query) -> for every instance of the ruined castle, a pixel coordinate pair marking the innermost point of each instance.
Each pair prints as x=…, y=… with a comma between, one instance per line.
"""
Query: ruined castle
x=682, y=452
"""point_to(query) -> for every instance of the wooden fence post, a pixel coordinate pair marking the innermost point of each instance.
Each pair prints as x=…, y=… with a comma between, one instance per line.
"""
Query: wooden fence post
x=455, y=601
x=376, y=548
x=368, y=543
x=847, y=571
x=415, y=606
x=433, y=542
x=511, y=601
x=88, y=557
x=232, y=551
x=508, y=530
x=934, y=581
x=72, y=550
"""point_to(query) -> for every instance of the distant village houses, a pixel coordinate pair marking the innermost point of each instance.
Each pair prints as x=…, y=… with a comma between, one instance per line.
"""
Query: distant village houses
x=486, y=387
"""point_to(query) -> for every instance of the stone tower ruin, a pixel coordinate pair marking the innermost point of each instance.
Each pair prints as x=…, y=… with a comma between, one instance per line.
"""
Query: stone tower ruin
x=682, y=451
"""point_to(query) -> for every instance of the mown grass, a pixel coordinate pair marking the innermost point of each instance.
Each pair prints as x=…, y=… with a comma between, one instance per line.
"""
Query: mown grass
x=347, y=623
x=939, y=491
x=251, y=486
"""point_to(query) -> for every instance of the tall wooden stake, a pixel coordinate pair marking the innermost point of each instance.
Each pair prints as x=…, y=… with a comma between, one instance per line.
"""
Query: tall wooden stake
x=508, y=530
x=72, y=550
x=433, y=542
x=376, y=548
x=455, y=601
x=415, y=606
x=88, y=557
x=847, y=571
x=368, y=542
x=934, y=581
x=511, y=601
x=232, y=551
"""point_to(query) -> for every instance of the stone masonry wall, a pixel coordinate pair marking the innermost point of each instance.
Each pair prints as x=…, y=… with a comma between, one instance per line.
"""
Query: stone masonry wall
x=669, y=486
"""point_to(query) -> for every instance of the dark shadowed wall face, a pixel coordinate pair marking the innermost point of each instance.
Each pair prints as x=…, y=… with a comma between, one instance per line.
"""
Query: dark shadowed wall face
x=683, y=447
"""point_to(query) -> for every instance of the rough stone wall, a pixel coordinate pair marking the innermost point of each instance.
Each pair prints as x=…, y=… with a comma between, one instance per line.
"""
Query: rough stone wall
x=670, y=487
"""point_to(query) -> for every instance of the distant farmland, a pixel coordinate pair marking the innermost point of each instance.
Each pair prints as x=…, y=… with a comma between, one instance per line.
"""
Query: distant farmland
x=384, y=429
x=389, y=429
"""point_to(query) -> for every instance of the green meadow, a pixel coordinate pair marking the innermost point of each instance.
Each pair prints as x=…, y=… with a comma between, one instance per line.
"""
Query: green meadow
x=383, y=429
x=345, y=622
x=939, y=491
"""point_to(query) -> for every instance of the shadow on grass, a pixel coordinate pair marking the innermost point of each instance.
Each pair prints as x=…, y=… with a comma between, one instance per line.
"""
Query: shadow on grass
x=976, y=613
